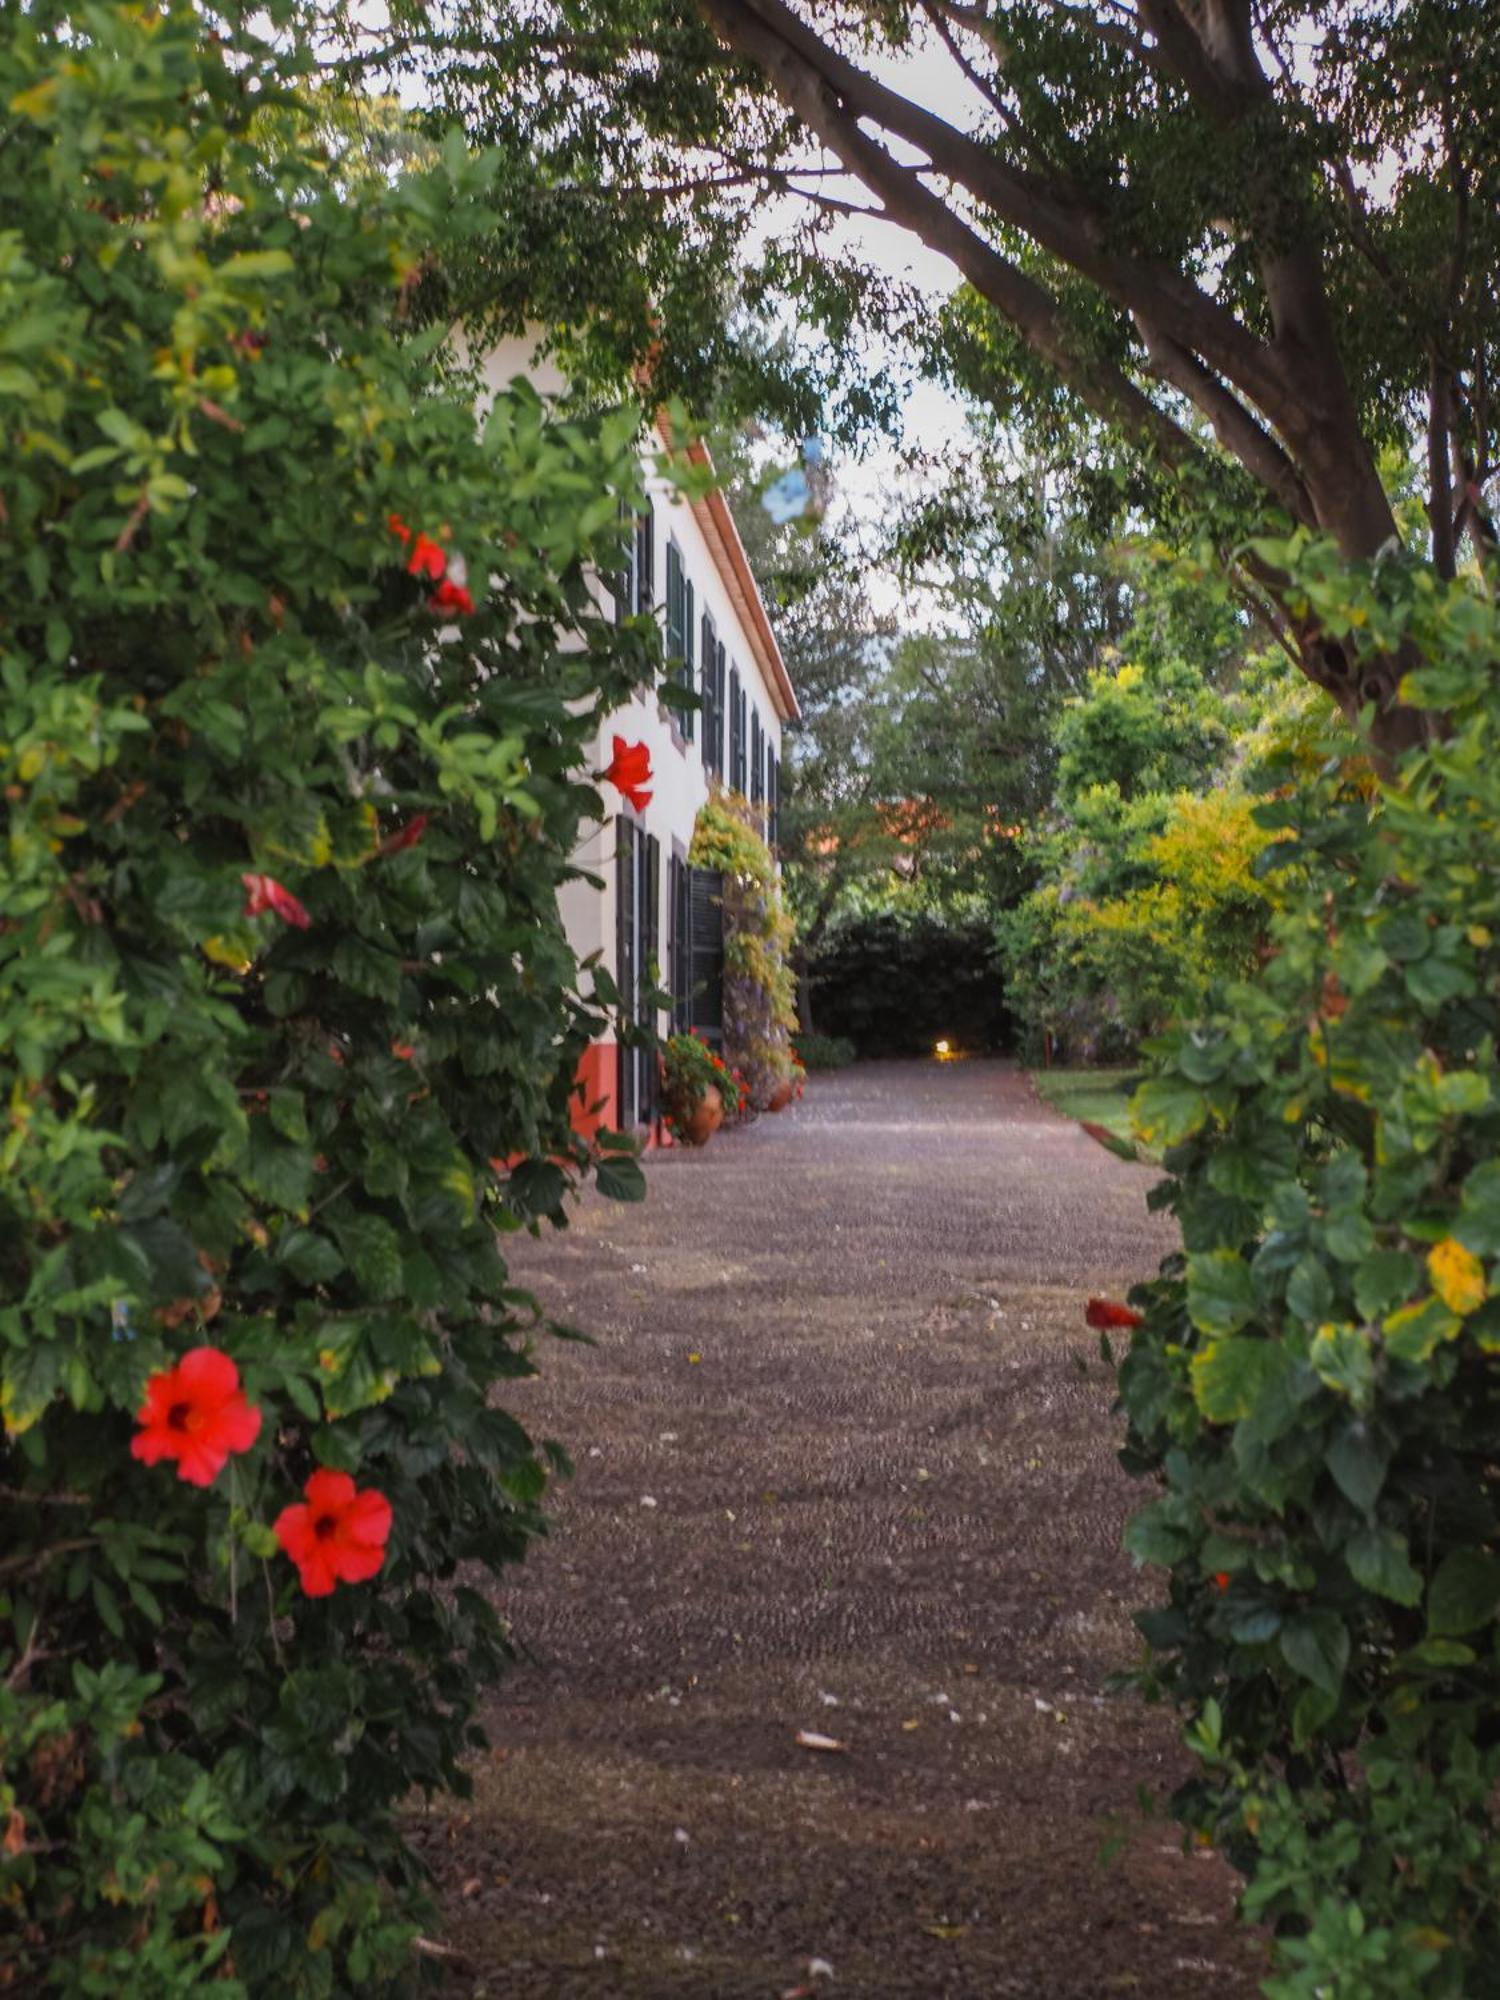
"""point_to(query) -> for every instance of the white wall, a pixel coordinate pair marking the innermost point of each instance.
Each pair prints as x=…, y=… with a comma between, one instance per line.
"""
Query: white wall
x=679, y=782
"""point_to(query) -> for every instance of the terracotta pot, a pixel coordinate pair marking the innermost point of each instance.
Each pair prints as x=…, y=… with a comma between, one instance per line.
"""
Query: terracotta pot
x=708, y=1116
x=780, y=1097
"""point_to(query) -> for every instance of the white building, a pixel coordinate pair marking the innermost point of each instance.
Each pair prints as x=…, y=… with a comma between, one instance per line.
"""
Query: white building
x=688, y=569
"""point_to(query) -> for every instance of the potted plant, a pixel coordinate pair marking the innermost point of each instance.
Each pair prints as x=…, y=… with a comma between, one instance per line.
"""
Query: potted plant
x=695, y=1088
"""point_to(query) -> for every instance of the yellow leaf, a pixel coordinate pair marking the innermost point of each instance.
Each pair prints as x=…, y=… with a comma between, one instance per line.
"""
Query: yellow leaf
x=224, y=951
x=33, y=103
x=1457, y=1276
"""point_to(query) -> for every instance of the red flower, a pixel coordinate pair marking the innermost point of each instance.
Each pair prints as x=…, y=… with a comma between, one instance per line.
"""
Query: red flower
x=629, y=770
x=405, y=836
x=402, y=1051
x=334, y=1535
x=264, y=892
x=427, y=559
x=1104, y=1313
x=1221, y=1579
x=398, y=527
x=197, y=1414
x=451, y=596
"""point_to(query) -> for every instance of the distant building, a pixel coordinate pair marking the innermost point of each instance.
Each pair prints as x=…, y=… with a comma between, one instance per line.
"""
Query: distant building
x=687, y=567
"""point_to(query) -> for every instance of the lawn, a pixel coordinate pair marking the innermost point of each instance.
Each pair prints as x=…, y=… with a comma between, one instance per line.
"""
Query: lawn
x=1098, y=1095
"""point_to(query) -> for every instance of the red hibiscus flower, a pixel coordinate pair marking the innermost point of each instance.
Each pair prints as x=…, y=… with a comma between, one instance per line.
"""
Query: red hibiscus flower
x=197, y=1414
x=264, y=892
x=427, y=559
x=1221, y=1579
x=629, y=770
x=405, y=836
x=334, y=1535
x=402, y=1051
x=398, y=527
x=1104, y=1313
x=451, y=596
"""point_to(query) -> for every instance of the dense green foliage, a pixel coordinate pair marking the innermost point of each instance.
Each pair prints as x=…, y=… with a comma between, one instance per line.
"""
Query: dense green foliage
x=824, y=1052
x=759, y=1004
x=894, y=981
x=1146, y=888
x=283, y=990
x=1314, y=1387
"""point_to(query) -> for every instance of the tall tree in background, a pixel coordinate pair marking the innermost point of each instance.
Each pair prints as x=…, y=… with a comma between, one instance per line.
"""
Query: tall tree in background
x=1255, y=237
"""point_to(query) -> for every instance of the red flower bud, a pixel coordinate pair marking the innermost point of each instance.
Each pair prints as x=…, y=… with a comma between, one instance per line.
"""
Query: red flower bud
x=427, y=559
x=264, y=892
x=1105, y=1313
x=451, y=596
x=405, y=836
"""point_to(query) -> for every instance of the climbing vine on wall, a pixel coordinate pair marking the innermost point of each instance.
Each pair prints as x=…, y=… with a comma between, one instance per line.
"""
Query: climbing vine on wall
x=760, y=1012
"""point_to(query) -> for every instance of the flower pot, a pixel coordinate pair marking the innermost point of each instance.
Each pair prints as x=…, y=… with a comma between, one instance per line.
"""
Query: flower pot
x=780, y=1097
x=707, y=1116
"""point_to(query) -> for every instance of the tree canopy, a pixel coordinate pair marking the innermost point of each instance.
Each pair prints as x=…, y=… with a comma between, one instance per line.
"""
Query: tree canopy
x=1257, y=239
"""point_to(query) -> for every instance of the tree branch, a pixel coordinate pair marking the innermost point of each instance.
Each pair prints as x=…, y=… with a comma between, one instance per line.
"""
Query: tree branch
x=1106, y=389
x=1050, y=214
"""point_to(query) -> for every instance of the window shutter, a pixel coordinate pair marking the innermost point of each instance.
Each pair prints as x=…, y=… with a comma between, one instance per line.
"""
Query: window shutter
x=757, y=787
x=773, y=796
x=650, y=966
x=622, y=584
x=687, y=722
x=625, y=963
x=645, y=560
x=682, y=943
x=736, y=748
x=720, y=700
x=706, y=930
x=674, y=611
x=708, y=672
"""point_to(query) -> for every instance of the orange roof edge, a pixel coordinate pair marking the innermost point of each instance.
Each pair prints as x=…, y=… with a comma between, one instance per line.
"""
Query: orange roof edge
x=728, y=551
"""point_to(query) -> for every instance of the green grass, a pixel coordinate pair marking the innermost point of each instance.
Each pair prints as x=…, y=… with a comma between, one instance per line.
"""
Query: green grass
x=1099, y=1095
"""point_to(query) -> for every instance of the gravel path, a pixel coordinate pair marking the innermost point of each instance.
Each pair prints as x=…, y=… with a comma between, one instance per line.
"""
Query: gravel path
x=845, y=1466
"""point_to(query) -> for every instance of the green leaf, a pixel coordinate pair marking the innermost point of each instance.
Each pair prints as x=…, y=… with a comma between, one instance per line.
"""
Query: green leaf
x=1478, y=1225
x=1383, y=1280
x=1465, y=1593
x=1378, y=1560
x=1315, y=1645
x=1220, y=1292
x=372, y=1250
x=1155, y=1535
x=1415, y=1332
x=1168, y=1110
x=1231, y=1376
x=1358, y=1463
x=620, y=1179
x=1309, y=1292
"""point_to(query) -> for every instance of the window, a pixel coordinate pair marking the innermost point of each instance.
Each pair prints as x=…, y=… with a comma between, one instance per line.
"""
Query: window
x=739, y=747
x=645, y=561
x=680, y=952
x=705, y=894
x=679, y=636
x=637, y=942
x=711, y=655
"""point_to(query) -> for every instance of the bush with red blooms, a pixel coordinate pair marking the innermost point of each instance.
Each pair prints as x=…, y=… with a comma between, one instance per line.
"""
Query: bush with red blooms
x=281, y=975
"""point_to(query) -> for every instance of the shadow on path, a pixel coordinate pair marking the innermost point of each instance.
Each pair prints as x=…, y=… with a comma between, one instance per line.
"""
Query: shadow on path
x=845, y=1465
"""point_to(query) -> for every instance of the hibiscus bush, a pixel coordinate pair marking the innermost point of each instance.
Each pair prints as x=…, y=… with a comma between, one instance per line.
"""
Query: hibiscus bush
x=297, y=662
x=1315, y=1387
